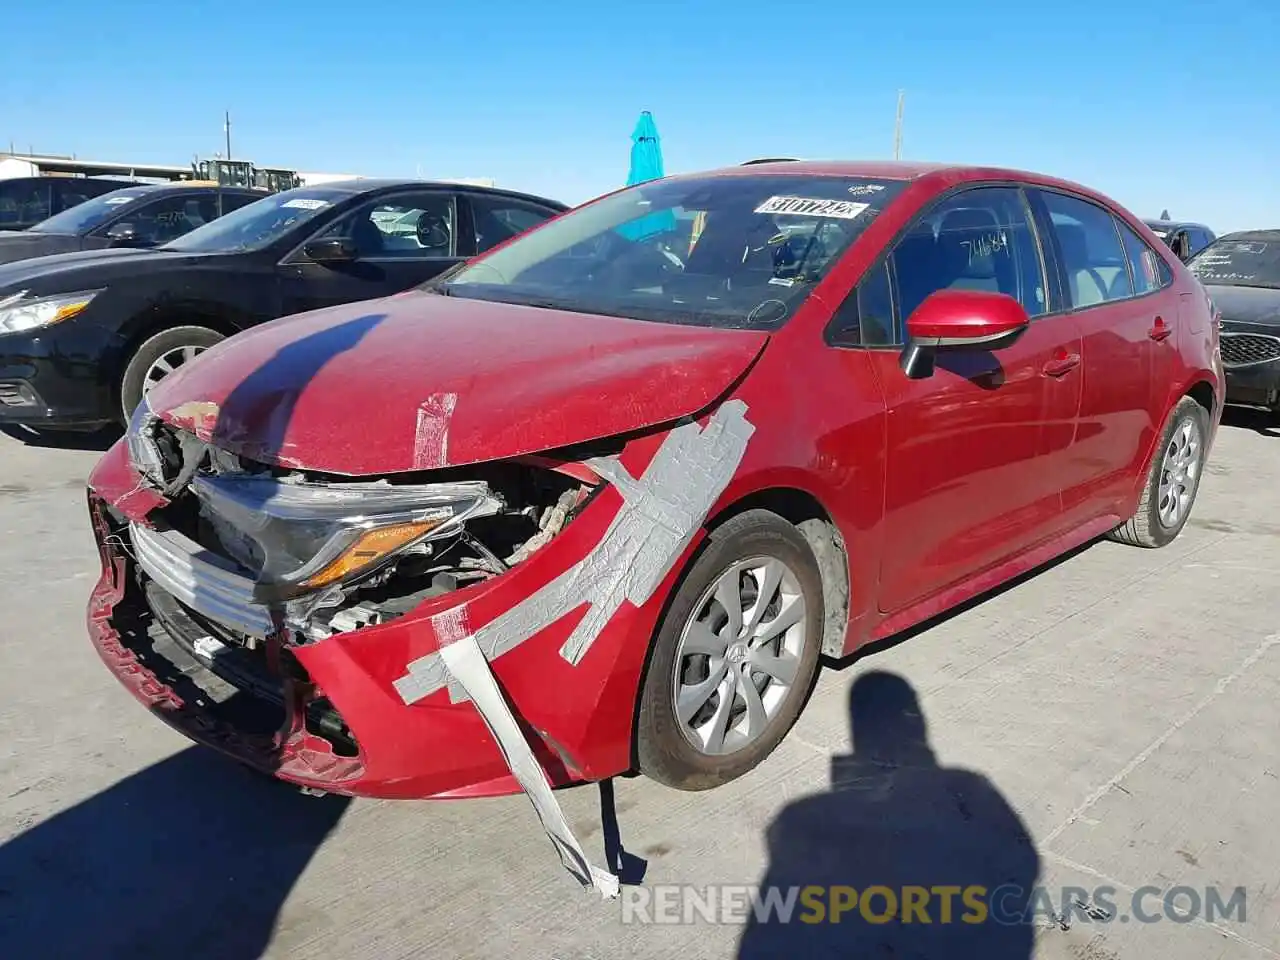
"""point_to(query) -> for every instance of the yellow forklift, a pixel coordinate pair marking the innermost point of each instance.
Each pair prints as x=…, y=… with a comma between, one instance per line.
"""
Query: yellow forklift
x=242, y=173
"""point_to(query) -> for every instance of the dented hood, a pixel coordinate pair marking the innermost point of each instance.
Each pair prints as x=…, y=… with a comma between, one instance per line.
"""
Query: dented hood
x=421, y=381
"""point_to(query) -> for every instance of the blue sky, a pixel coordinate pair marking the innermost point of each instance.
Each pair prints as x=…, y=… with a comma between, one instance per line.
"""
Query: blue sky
x=1159, y=104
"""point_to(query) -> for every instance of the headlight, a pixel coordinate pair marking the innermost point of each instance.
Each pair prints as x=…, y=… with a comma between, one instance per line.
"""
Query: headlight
x=143, y=452
x=301, y=537
x=18, y=313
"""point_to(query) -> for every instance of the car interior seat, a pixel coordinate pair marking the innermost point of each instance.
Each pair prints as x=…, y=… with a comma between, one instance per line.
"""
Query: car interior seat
x=1088, y=287
x=367, y=237
x=975, y=252
x=433, y=234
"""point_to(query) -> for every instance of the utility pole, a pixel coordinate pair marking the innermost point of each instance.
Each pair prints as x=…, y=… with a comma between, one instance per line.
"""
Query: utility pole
x=897, y=128
x=226, y=127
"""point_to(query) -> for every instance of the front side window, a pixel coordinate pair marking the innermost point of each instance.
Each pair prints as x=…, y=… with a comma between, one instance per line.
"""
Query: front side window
x=1092, y=255
x=731, y=251
x=169, y=218
x=1242, y=261
x=979, y=239
x=1144, y=263
x=415, y=226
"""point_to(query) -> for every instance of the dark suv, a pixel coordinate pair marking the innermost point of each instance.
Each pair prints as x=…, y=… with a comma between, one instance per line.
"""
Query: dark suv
x=25, y=201
x=1185, y=239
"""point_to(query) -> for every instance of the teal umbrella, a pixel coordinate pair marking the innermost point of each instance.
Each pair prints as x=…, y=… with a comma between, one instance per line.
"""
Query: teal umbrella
x=646, y=151
x=646, y=165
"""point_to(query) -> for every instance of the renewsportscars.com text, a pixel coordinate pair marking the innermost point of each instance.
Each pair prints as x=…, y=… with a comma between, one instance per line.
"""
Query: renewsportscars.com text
x=936, y=904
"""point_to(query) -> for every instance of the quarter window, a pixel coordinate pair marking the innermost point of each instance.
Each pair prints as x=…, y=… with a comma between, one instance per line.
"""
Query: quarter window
x=1093, y=258
x=1144, y=263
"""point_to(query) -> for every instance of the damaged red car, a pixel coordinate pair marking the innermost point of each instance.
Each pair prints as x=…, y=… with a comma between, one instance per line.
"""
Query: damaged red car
x=602, y=499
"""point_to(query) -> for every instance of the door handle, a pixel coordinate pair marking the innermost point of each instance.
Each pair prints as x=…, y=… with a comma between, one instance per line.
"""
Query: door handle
x=1061, y=364
x=1160, y=330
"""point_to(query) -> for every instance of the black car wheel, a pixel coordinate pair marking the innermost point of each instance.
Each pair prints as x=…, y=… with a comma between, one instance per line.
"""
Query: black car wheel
x=157, y=358
x=735, y=655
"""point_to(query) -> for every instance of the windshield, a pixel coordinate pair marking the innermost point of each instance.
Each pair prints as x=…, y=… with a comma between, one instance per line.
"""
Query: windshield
x=1239, y=263
x=84, y=217
x=258, y=224
x=727, y=251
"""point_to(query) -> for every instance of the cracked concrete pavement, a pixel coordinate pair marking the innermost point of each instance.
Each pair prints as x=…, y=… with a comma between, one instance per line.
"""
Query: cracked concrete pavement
x=1120, y=706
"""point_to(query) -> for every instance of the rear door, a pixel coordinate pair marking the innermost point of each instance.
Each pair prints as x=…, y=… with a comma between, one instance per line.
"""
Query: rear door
x=401, y=240
x=1126, y=324
x=973, y=451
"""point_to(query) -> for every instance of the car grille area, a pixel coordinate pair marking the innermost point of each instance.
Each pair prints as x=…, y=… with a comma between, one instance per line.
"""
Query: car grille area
x=1243, y=349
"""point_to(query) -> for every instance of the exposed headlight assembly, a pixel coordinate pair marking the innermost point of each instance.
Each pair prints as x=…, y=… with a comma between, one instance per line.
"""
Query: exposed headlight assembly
x=301, y=537
x=20, y=312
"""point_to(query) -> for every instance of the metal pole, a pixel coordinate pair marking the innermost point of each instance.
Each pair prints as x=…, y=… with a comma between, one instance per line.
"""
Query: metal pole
x=897, y=128
x=226, y=126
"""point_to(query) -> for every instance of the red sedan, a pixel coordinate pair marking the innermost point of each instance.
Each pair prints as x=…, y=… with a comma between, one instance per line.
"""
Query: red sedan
x=602, y=499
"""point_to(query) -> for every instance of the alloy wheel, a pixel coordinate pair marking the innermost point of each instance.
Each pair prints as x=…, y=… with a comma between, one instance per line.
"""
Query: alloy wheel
x=738, y=655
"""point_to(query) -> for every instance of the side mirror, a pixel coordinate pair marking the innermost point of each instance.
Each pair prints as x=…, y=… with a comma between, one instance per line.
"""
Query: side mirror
x=122, y=233
x=959, y=320
x=331, y=250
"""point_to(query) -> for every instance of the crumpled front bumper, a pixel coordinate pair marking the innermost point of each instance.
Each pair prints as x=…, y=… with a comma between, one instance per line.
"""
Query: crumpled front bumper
x=577, y=717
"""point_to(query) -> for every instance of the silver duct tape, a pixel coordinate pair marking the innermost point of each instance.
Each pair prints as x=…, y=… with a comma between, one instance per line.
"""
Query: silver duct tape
x=661, y=512
x=466, y=663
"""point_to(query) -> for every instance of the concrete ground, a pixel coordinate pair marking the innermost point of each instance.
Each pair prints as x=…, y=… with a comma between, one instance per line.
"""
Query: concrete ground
x=1111, y=721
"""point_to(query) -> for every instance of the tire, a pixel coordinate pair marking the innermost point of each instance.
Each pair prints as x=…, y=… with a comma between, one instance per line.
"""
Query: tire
x=134, y=382
x=1150, y=526
x=683, y=755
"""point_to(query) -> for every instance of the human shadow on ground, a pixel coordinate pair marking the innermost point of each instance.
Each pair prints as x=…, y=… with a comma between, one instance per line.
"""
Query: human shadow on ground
x=895, y=820
x=192, y=857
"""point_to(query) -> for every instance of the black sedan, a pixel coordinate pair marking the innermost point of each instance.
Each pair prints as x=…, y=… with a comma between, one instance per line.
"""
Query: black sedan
x=1241, y=272
x=142, y=216
x=83, y=336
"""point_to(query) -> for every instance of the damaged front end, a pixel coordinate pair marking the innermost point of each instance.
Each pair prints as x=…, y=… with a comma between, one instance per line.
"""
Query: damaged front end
x=412, y=635
x=235, y=566
x=265, y=551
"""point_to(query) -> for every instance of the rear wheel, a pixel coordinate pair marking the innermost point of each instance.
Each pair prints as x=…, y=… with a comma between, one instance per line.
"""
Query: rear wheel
x=1173, y=479
x=157, y=358
x=734, y=657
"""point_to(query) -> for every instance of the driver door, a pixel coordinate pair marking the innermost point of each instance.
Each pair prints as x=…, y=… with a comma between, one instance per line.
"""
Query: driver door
x=972, y=451
x=400, y=241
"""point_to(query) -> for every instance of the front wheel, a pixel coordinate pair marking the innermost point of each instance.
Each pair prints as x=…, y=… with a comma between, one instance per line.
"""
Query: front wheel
x=734, y=657
x=1173, y=479
x=158, y=357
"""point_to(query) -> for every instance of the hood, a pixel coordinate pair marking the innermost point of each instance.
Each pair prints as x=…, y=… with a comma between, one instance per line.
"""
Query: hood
x=1259, y=305
x=24, y=245
x=421, y=381
x=16, y=274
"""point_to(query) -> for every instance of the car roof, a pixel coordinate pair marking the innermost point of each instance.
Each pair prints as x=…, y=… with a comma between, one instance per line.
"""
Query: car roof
x=1270, y=236
x=1172, y=224
x=159, y=189
x=906, y=170
x=382, y=185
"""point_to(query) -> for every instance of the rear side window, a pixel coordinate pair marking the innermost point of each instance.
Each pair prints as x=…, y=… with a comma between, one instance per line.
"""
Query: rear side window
x=1092, y=256
x=234, y=201
x=498, y=219
x=1144, y=264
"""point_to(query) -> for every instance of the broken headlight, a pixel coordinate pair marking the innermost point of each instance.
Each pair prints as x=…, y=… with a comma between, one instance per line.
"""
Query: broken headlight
x=299, y=537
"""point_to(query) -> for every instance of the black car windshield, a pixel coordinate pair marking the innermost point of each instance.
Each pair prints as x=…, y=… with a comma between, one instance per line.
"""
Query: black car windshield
x=1240, y=262
x=84, y=217
x=727, y=251
x=258, y=224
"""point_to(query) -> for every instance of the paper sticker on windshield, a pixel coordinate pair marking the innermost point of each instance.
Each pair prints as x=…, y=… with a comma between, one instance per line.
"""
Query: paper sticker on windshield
x=305, y=203
x=812, y=207
x=114, y=201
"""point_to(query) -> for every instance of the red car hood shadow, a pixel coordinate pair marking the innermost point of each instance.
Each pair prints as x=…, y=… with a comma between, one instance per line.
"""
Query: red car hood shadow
x=421, y=381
